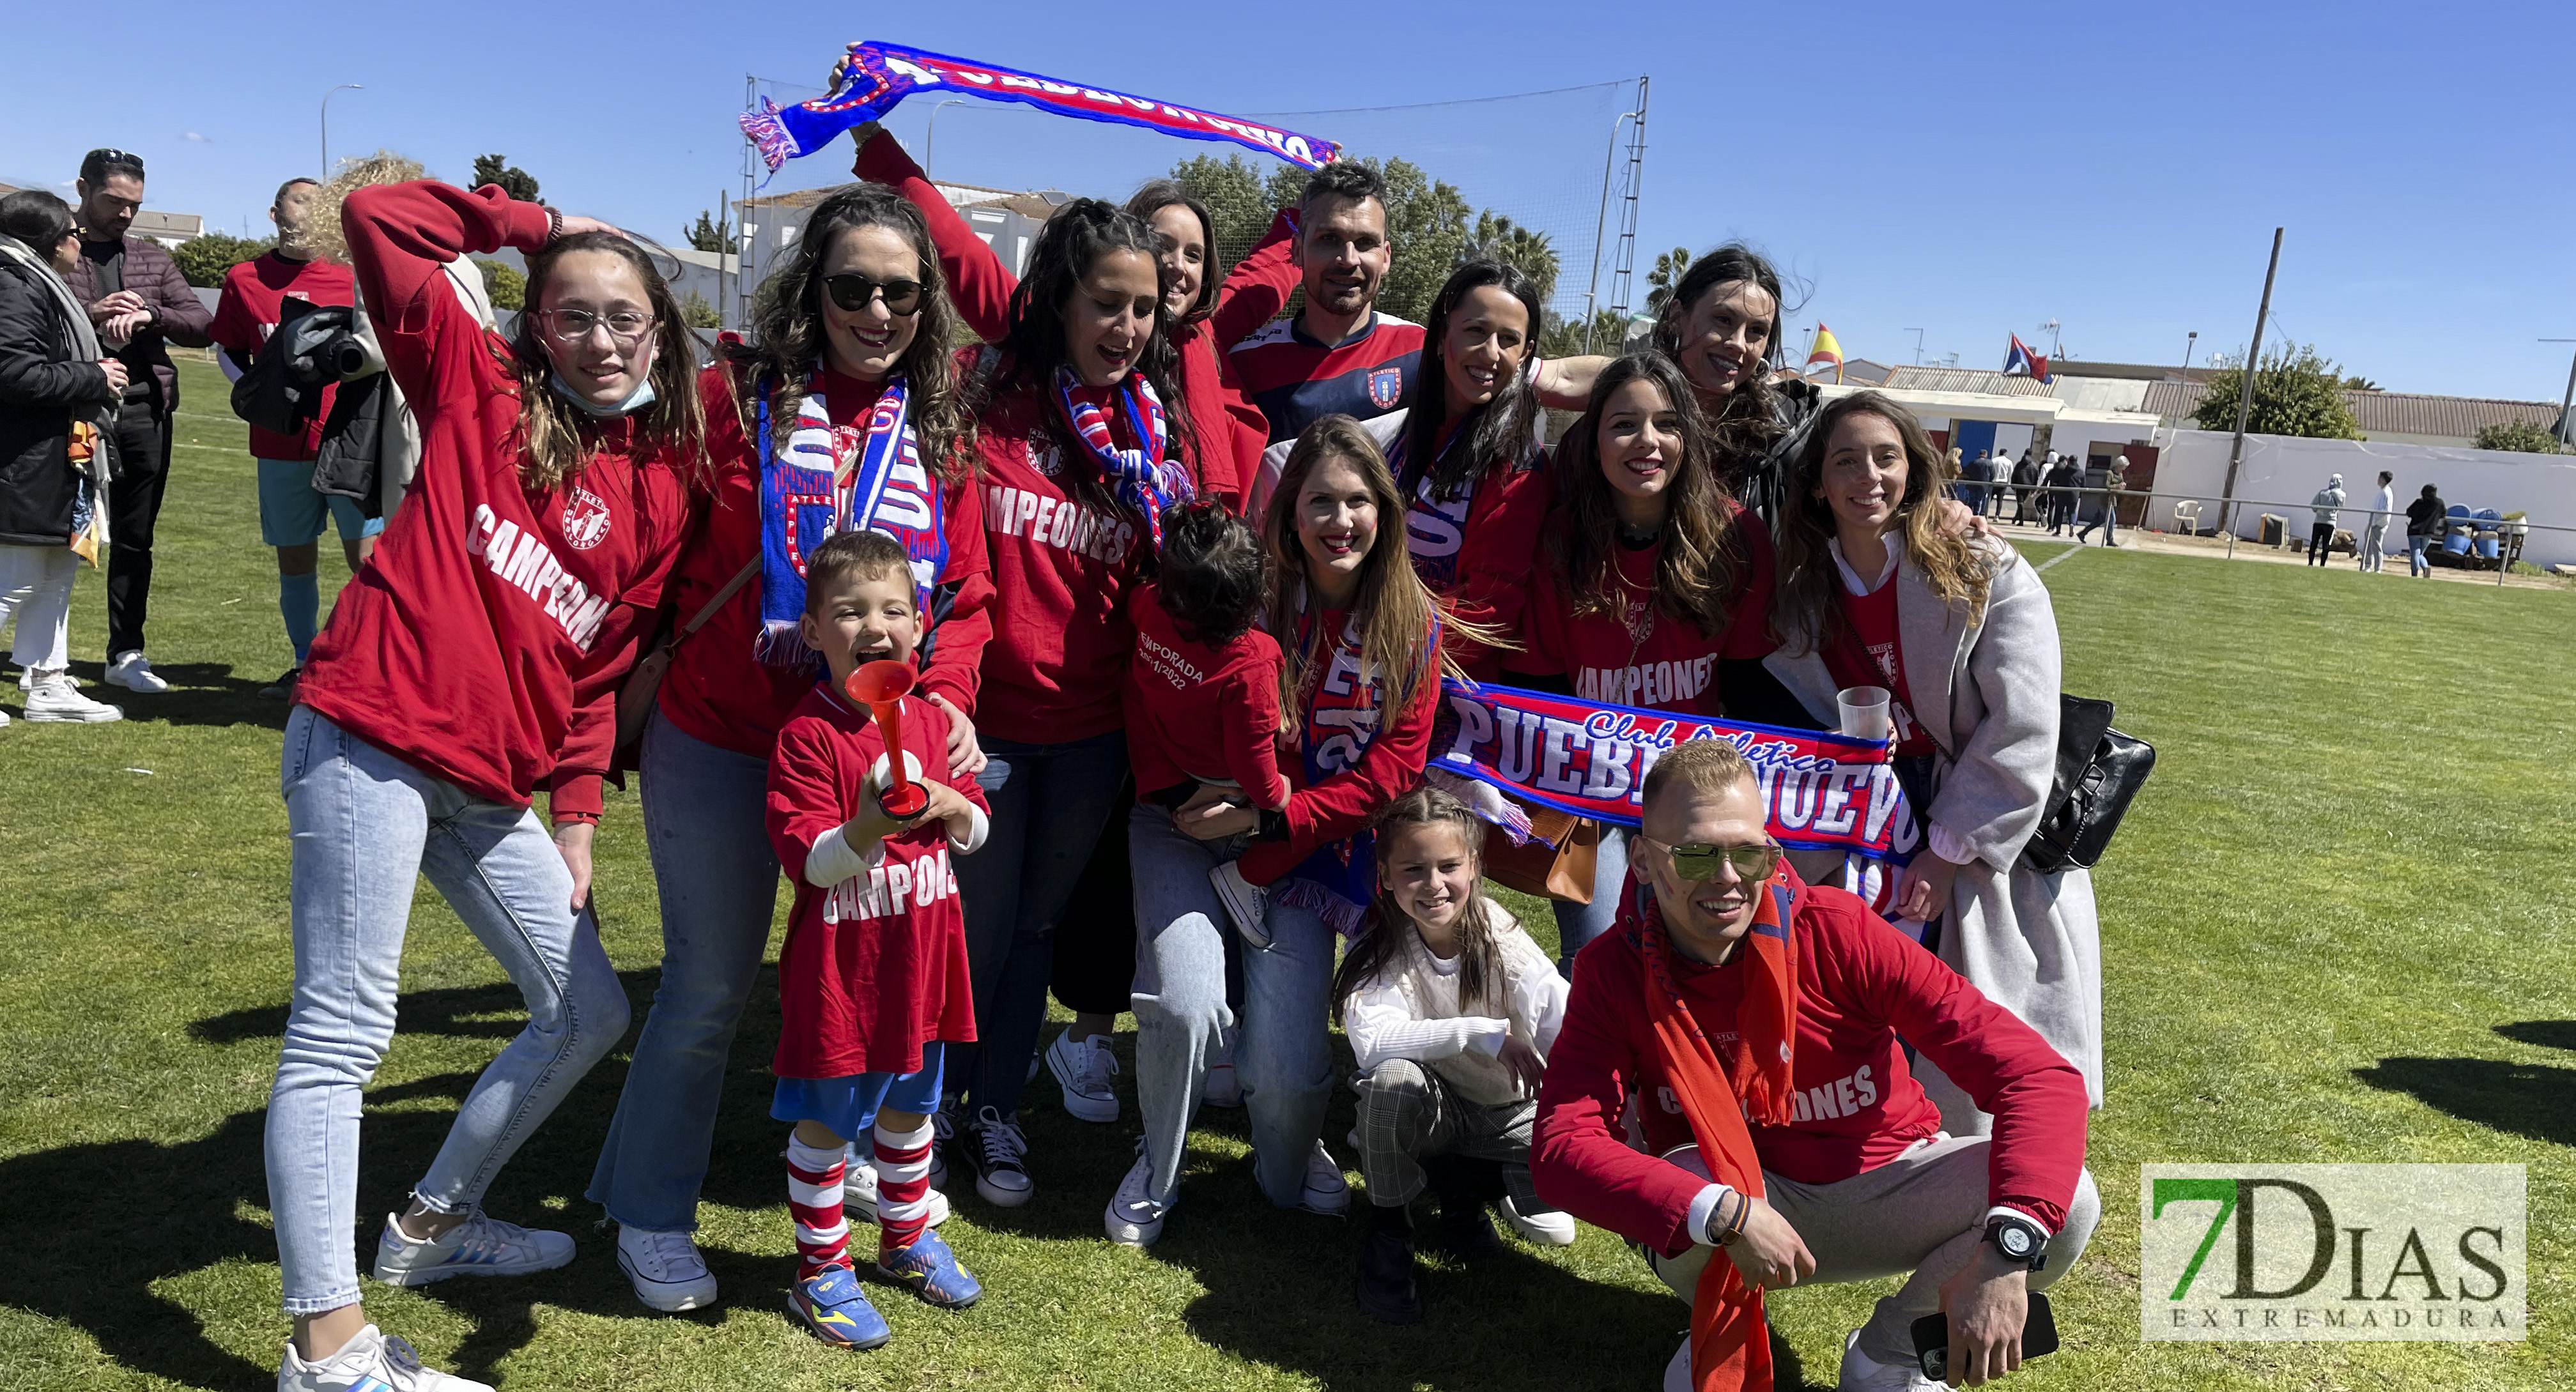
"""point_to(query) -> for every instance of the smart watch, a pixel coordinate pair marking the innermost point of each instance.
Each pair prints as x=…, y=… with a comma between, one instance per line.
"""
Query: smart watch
x=2021, y=1241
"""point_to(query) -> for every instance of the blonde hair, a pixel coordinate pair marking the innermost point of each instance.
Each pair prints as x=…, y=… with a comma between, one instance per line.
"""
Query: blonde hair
x=1806, y=609
x=322, y=215
x=1703, y=765
x=1397, y=646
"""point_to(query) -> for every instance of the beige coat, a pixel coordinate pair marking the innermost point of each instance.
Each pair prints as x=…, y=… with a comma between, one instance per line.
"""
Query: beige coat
x=1987, y=693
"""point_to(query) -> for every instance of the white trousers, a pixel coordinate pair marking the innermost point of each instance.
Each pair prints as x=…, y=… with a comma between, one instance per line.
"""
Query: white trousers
x=36, y=588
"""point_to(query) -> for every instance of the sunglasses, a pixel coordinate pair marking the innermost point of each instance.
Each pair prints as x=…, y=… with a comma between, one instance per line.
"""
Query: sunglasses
x=852, y=291
x=114, y=157
x=1698, y=861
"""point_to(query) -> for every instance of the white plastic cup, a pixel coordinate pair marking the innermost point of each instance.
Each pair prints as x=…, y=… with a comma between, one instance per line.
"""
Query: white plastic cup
x=1864, y=710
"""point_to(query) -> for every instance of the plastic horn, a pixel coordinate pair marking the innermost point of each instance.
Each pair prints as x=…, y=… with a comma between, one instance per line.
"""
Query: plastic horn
x=880, y=686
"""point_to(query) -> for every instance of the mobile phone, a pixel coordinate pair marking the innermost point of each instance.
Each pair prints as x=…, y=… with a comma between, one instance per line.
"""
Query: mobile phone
x=1932, y=1338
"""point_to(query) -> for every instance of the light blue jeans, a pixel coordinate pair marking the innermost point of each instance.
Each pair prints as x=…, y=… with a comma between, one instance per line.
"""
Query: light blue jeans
x=2415, y=549
x=1284, y=1056
x=704, y=811
x=364, y=824
x=1577, y=924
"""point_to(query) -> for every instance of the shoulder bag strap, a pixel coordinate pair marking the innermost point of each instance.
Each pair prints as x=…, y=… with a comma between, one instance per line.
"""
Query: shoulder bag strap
x=732, y=587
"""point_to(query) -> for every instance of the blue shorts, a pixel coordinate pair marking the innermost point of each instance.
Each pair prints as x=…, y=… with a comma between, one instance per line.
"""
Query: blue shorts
x=849, y=1105
x=291, y=513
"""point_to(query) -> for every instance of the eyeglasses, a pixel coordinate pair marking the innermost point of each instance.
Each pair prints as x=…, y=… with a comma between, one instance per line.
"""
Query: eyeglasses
x=853, y=292
x=626, y=326
x=1697, y=861
x=110, y=158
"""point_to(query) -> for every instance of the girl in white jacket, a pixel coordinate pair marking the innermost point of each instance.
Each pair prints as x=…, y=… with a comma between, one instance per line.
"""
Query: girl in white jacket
x=1451, y=1009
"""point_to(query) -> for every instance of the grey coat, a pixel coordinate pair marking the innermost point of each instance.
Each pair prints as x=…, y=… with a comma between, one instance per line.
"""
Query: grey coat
x=1987, y=693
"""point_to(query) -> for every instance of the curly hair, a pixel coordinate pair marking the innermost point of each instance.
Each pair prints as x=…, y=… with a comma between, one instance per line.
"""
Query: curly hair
x=1806, y=608
x=1704, y=561
x=1214, y=577
x=1748, y=424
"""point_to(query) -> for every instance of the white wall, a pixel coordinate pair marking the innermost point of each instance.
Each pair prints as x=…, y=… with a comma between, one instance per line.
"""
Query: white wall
x=2281, y=470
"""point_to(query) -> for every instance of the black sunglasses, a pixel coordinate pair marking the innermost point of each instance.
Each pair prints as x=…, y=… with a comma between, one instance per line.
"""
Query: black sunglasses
x=852, y=291
x=111, y=158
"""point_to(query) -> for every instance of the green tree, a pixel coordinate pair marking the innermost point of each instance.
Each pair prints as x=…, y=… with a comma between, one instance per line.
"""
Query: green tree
x=2297, y=391
x=1237, y=206
x=514, y=181
x=1665, y=278
x=711, y=234
x=699, y=313
x=2357, y=383
x=1498, y=238
x=2526, y=437
x=1565, y=338
x=508, y=288
x=204, y=258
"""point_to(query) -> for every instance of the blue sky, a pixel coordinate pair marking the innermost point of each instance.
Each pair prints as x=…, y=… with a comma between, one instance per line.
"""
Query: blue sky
x=1970, y=170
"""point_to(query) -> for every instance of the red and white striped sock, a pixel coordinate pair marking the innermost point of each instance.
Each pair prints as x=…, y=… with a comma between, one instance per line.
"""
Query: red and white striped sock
x=814, y=1197
x=902, y=1165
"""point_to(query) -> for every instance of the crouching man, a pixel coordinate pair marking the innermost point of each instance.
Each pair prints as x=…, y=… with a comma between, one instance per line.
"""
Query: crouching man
x=1755, y=1020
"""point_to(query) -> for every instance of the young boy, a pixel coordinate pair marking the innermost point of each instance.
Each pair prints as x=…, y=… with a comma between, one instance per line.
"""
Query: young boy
x=872, y=982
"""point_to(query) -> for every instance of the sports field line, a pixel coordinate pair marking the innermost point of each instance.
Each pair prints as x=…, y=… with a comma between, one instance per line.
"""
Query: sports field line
x=2062, y=555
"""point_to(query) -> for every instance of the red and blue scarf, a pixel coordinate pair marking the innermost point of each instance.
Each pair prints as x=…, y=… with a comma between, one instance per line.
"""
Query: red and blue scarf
x=804, y=500
x=1338, y=719
x=1141, y=478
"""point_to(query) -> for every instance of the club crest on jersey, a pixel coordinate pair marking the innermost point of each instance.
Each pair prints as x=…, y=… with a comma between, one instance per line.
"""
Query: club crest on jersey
x=1385, y=387
x=1044, y=456
x=585, y=519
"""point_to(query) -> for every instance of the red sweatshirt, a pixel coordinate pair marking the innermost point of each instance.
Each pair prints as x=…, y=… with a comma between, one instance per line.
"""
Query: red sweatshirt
x=1476, y=553
x=247, y=313
x=1673, y=666
x=1864, y=992
x=485, y=639
x=716, y=691
x=1346, y=799
x=1228, y=433
x=1197, y=713
x=875, y=966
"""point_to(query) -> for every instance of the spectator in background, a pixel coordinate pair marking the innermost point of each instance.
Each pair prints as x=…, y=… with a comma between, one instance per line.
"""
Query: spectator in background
x=291, y=513
x=57, y=398
x=2324, y=508
x=2115, y=477
x=2058, y=504
x=1971, y=488
x=1999, y=474
x=2423, y=528
x=139, y=304
x=2025, y=479
x=2374, y=533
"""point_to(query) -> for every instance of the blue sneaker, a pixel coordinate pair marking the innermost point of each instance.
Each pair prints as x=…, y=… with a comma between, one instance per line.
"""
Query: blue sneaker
x=933, y=1273
x=833, y=1306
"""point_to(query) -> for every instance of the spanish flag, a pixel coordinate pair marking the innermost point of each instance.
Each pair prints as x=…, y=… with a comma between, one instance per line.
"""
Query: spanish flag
x=1826, y=350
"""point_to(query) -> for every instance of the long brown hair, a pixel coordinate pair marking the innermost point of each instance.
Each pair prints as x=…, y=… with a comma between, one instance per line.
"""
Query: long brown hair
x=1481, y=980
x=552, y=449
x=1745, y=428
x=789, y=328
x=1703, y=562
x=1806, y=609
x=1395, y=612
x=1154, y=197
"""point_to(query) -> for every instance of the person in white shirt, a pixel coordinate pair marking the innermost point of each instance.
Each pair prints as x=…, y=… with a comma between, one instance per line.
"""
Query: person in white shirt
x=1450, y=1009
x=2374, y=532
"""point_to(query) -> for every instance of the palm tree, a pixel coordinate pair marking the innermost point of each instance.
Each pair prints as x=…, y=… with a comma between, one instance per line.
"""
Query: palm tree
x=1498, y=238
x=1665, y=277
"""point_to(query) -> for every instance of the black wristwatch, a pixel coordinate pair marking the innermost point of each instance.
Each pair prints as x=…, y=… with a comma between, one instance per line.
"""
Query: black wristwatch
x=2021, y=1241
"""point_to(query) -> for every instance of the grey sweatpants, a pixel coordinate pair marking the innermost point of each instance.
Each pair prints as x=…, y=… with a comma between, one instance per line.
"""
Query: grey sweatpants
x=1408, y=1112
x=1924, y=1213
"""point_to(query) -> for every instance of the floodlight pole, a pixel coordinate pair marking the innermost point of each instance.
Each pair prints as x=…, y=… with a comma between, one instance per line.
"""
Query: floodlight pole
x=2565, y=432
x=2245, y=393
x=930, y=135
x=1601, y=224
x=1918, y=345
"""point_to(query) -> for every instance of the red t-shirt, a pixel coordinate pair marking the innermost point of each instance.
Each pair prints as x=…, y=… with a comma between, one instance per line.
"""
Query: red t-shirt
x=1646, y=658
x=1196, y=712
x=716, y=691
x=486, y=637
x=1476, y=552
x=1865, y=991
x=1873, y=624
x=247, y=313
x=875, y=966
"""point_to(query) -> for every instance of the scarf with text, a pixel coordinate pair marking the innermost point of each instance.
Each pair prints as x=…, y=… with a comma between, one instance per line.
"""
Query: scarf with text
x=873, y=77
x=1340, y=714
x=1435, y=529
x=1141, y=478
x=805, y=498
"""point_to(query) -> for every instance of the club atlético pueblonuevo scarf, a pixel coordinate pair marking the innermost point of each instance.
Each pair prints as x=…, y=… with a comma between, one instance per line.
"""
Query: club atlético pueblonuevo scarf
x=805, y=498
x=1141, y=477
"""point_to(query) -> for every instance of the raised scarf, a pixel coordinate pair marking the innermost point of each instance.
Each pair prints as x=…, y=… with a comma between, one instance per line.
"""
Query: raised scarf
x=1730, y=1338
x=805, y=498
x=1141, y=477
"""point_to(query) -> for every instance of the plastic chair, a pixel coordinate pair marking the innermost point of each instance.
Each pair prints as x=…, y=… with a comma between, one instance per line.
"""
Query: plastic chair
x=2187, y=516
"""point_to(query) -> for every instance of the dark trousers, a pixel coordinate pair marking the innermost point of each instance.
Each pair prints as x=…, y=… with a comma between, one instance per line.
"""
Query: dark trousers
x=2320, y=539
x=1095, y=942
x=133, y=506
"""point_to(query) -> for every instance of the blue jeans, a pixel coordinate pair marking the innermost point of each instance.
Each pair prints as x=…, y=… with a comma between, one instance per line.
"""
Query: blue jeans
x=2415, y=562
x=703, y=822
x=1577, y=924
x=1284, y=1056
x=364, y=824
x=1049, y=803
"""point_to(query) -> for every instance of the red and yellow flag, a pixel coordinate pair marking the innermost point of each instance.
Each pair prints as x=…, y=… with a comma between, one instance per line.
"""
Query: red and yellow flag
x=1825, y=350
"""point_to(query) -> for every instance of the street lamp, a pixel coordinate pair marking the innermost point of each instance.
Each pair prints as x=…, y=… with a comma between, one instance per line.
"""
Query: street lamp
x=2565, y=433
x=930, y=135
x=2188, y=341
x=326, y=122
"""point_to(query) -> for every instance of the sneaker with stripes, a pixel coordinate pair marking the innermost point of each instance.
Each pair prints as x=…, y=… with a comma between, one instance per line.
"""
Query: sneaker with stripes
x=482, y=1245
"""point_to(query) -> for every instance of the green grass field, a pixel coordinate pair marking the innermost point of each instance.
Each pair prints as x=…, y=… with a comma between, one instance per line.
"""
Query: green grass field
x=2336, y=928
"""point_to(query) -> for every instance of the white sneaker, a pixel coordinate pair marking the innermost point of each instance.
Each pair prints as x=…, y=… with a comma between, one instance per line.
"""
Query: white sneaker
x=1224, y=1086
x=1000, y=1151
x=58, y=698
x=668, y=1273
x=1134, y=1218
x=4, y=720
x=130, y=671
x=1862, y=1373
x=1243, y=903
x=366, y=1363
x=1553, y=1227
x=1084, y=1067
x=859, y=1191
x=1326, y=1192
x=1677, y=1376
x=480, y=1246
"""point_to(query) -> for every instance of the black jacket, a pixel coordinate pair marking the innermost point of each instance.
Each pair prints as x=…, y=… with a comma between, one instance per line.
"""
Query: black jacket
x=2425, y=516
x=40, y=387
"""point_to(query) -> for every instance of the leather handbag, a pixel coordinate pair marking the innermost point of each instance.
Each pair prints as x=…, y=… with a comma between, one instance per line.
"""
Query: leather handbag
x=1558, y=861
x=643, y=687
x=2099, y=771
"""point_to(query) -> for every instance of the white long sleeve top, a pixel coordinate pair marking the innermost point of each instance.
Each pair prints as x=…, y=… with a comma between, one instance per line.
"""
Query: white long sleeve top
x=1412, y=1011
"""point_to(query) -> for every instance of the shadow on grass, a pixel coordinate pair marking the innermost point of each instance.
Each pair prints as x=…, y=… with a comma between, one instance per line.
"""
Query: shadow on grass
x=201, y=693
x=2526, y=1099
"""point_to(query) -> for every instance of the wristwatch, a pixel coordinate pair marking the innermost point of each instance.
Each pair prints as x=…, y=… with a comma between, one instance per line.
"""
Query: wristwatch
x=2019, y=1240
